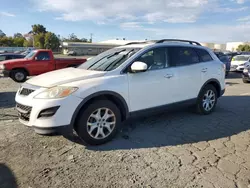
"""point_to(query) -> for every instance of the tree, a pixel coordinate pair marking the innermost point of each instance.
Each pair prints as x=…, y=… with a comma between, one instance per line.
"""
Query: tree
x=18, y=41
x=73, y=38
x=28, y=42
x=6, y=41
x=37, y=29
x=51, y=41
x=243, y=48
x=2, y=34
x=39, y=40
x=18, y=35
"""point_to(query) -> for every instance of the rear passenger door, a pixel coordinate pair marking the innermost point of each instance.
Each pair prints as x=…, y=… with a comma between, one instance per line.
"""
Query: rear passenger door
x=189, y=69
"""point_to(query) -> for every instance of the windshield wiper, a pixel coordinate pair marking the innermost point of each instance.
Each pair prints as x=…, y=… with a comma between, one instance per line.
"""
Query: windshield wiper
x=116, y=53
x=113, y=65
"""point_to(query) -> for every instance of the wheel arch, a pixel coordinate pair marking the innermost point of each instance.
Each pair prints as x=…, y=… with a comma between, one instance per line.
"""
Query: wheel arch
x=116, y=98
x=22, y=68
x=215, y=83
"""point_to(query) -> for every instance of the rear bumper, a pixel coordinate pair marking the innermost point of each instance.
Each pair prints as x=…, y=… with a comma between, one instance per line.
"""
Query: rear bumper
x=5, y=73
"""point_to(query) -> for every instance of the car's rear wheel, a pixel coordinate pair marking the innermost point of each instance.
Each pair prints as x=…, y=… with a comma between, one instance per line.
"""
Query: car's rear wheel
x=19, y=75
x=207, y=100
x=245, y=81
x=99, y=122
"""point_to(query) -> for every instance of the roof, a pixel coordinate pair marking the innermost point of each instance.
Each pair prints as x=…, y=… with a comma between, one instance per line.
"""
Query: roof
x=10, y=54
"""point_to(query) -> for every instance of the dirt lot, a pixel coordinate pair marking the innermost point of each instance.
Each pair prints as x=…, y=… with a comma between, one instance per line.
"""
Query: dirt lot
x=178, y=149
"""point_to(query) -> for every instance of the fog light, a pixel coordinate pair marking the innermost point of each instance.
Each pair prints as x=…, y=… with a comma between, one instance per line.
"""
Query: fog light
x=48, y=112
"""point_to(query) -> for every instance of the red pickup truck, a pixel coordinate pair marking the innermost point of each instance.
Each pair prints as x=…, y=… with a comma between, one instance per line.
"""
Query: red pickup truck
x=35, y=63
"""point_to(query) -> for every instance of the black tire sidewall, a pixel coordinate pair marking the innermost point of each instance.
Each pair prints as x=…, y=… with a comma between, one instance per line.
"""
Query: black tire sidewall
x=18, y=71
x=200, y=108
x=81, y=122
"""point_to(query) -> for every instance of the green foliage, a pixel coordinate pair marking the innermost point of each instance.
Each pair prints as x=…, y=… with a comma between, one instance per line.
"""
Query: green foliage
x=6, y=41
x=73, y=38
x=243, y=48
x=39, y=40
x=51, y=41
x=18, y=41
x=18, y=35
x=37, y=29
x=28, y=43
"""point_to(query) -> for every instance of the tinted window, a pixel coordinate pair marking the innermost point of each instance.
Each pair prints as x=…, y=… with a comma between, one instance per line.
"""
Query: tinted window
x=224, y=58
x=204, y=55
x=2, y=58
x=43, y=56
x=155, y=59
x=182, y=56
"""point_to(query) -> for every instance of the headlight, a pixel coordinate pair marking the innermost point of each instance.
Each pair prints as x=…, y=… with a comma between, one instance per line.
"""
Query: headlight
x=2, y=66
x=56, y=92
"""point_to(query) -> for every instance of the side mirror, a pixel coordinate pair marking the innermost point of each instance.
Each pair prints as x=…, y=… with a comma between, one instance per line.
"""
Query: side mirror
x=139, y=66
x=36, y=58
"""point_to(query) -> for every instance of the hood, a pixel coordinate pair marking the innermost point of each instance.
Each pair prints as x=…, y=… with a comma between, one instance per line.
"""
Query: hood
x=14, y=61
x=237, y=62
x=63, y=76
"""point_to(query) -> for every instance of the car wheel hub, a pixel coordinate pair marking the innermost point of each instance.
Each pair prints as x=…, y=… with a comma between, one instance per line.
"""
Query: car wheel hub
x=101, y=123
x=19, y=76
x=208, y=100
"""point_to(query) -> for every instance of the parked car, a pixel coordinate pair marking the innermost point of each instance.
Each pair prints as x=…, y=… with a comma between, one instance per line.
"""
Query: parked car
x=71, y=53
x=238, y=62
x=224, y=58
x=35, y=63
x=246, y=73
x=9, y=56
x=120, y=83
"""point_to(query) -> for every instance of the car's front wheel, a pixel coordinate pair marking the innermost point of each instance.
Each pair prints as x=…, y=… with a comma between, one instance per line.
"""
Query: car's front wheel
x=99, y=122
x=18, y=75
x=207, y=100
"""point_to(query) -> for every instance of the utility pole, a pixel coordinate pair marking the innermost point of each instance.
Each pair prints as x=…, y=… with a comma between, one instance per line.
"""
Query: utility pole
x=91, y=35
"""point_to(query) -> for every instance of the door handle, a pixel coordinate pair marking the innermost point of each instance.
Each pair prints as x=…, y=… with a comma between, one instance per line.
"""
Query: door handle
x=168, y=76
x=204, y=70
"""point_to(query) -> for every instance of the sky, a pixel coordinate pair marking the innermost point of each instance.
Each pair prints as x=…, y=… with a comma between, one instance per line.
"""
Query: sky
x=201, y=20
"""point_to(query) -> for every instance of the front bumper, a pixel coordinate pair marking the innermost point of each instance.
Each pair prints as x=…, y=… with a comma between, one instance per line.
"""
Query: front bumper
x=4, y=73
x=246, y=76
x=237, y=68
x=30, y=110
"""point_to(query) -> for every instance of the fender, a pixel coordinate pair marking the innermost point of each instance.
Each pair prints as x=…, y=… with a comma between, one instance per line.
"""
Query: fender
x=99, y=94
x=218, y=87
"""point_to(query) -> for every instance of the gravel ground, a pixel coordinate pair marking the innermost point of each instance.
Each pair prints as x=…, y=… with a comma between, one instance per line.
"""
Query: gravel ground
x=177, y=149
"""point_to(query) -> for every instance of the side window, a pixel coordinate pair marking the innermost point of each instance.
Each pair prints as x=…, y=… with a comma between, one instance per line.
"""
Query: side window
x=8, y=57
x=43, y=56
x=2, y=58
x=204, y=55
x=181, y=56
x=155, y=59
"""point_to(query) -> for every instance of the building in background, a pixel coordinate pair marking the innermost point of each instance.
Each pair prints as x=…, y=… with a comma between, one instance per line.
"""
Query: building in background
x=82, y=48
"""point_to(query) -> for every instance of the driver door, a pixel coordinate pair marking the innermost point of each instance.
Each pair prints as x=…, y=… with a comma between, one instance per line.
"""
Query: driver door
x=155, y=87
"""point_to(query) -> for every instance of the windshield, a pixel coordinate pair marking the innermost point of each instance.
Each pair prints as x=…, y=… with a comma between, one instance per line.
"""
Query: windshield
x=109, y=60
x=30, y=55
x=240, y=58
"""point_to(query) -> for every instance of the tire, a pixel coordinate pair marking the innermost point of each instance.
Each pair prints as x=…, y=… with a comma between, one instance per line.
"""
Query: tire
x=83, y=128
x=245, y=81
x=19, y=75
x=200, y=108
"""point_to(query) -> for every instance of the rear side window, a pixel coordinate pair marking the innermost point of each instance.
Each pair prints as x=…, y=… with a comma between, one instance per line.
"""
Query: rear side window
x=181, y=56
x=204, y=55
x=2, y=58
x=43, y=56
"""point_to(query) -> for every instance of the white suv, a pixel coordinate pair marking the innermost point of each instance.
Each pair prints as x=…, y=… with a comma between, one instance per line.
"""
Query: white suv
x=126, y=81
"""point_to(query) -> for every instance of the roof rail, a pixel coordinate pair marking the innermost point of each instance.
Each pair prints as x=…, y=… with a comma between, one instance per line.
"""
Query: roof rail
x=144, y=42
x=178, y=40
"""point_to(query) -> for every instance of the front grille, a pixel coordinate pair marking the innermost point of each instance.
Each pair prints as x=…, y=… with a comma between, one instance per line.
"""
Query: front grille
x=26, y=91
x=23, y=111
